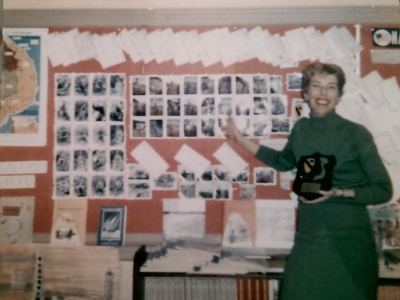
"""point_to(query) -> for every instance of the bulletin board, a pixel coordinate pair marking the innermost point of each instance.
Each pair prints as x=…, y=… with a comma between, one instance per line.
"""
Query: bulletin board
x=145, y=216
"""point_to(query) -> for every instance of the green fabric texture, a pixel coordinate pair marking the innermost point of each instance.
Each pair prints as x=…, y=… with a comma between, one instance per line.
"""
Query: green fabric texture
x=334, y=254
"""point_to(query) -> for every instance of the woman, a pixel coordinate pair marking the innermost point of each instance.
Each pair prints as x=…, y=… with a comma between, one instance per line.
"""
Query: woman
x=334, y=254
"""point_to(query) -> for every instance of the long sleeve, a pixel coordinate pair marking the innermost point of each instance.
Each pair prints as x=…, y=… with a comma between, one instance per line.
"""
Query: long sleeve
x=283, y=160
x=378, y=187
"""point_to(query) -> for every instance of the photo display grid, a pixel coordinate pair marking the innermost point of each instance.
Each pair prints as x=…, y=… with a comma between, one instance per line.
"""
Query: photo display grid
x=90, y=135
x=89, y=143
x=197, y=106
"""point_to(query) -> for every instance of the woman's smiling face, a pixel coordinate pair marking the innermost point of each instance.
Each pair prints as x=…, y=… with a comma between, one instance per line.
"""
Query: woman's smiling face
x=322, y=94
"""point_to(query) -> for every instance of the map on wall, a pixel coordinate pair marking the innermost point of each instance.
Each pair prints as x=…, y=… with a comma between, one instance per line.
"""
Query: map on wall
x=23, y=89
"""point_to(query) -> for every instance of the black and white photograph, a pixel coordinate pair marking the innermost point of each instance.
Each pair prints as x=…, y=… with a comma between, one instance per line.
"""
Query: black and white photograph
x=81, y=110
x=190, y=106
x=190, y=128
x=280, y=125
x=155, y=86
x=63, y=110
x=225, y=85
x=223, y=190
x=63, y=161
x=221, y=173
x=278, y=105
x=244, y=125
x=99, y=186
x=185, y=174
x=294, y=81
x=260, y=84
x=99, y=160
x=156, y=107
x=99, y=110
x=207, y=85
x=207, y=106
x=174, y=107
x=139, y=106
x=63, y=135
x=221, y=124
x=247, y=191
x=62, y=186
x=261, y=106
x=205, y=190
x=81, y=160
x=117, y=85
x=117, y=135
x=138, y=86
x=208, y=174
x=63, y=85
x=264, y=176
x=100, y=135
x=173, y=128
x=243, y=106
x=117, y=111
x=99, y=85
x=138, y=172
x=208, y=127
x=187, y=190
x=224, y=105
x=173, y=86
x=166, y=181
x=139, y=129
x=81, y=135
x=139, y=189
x=190, y=85
x=275, y=84
x=156, y=129
x=117, y=160
x=261, y=126
x=80, y=187
x=81, y=85
x=242, y=176
x=242, y=85
x=117, y=186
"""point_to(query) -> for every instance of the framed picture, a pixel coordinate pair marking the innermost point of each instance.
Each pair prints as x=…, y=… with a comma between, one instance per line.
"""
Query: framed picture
x=112, y=226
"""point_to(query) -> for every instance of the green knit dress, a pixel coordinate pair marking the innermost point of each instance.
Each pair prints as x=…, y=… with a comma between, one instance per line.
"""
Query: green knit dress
x=334, y=256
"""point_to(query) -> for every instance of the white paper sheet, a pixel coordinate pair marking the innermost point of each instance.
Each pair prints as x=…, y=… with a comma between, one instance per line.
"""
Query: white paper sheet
x=184, y=205
x=210, y=41
x=392, y=93
x=387, y=148
x=23, y=167
x=69, y=38
x=139, y=40
x=150, y=159
x=230, y=159
x=191, y=42
x=275, y=223
x=192, y=160
x=183, y=225
x=84, y=44
x=17, y=182
x=126, y=44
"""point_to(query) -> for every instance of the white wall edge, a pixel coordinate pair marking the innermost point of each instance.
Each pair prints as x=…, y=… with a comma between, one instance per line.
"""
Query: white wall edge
x=199, y=17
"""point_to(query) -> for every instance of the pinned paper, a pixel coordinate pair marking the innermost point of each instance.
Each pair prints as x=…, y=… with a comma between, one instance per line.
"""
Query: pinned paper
x=149, y=159
x=192, y=159
x=23, y=167
x=230, y=159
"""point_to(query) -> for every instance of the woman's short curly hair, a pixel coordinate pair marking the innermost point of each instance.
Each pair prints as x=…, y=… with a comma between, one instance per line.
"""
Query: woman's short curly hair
x=323, y=68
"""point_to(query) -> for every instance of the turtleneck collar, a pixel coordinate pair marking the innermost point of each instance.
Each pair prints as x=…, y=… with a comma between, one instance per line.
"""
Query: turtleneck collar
x=327, y=120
